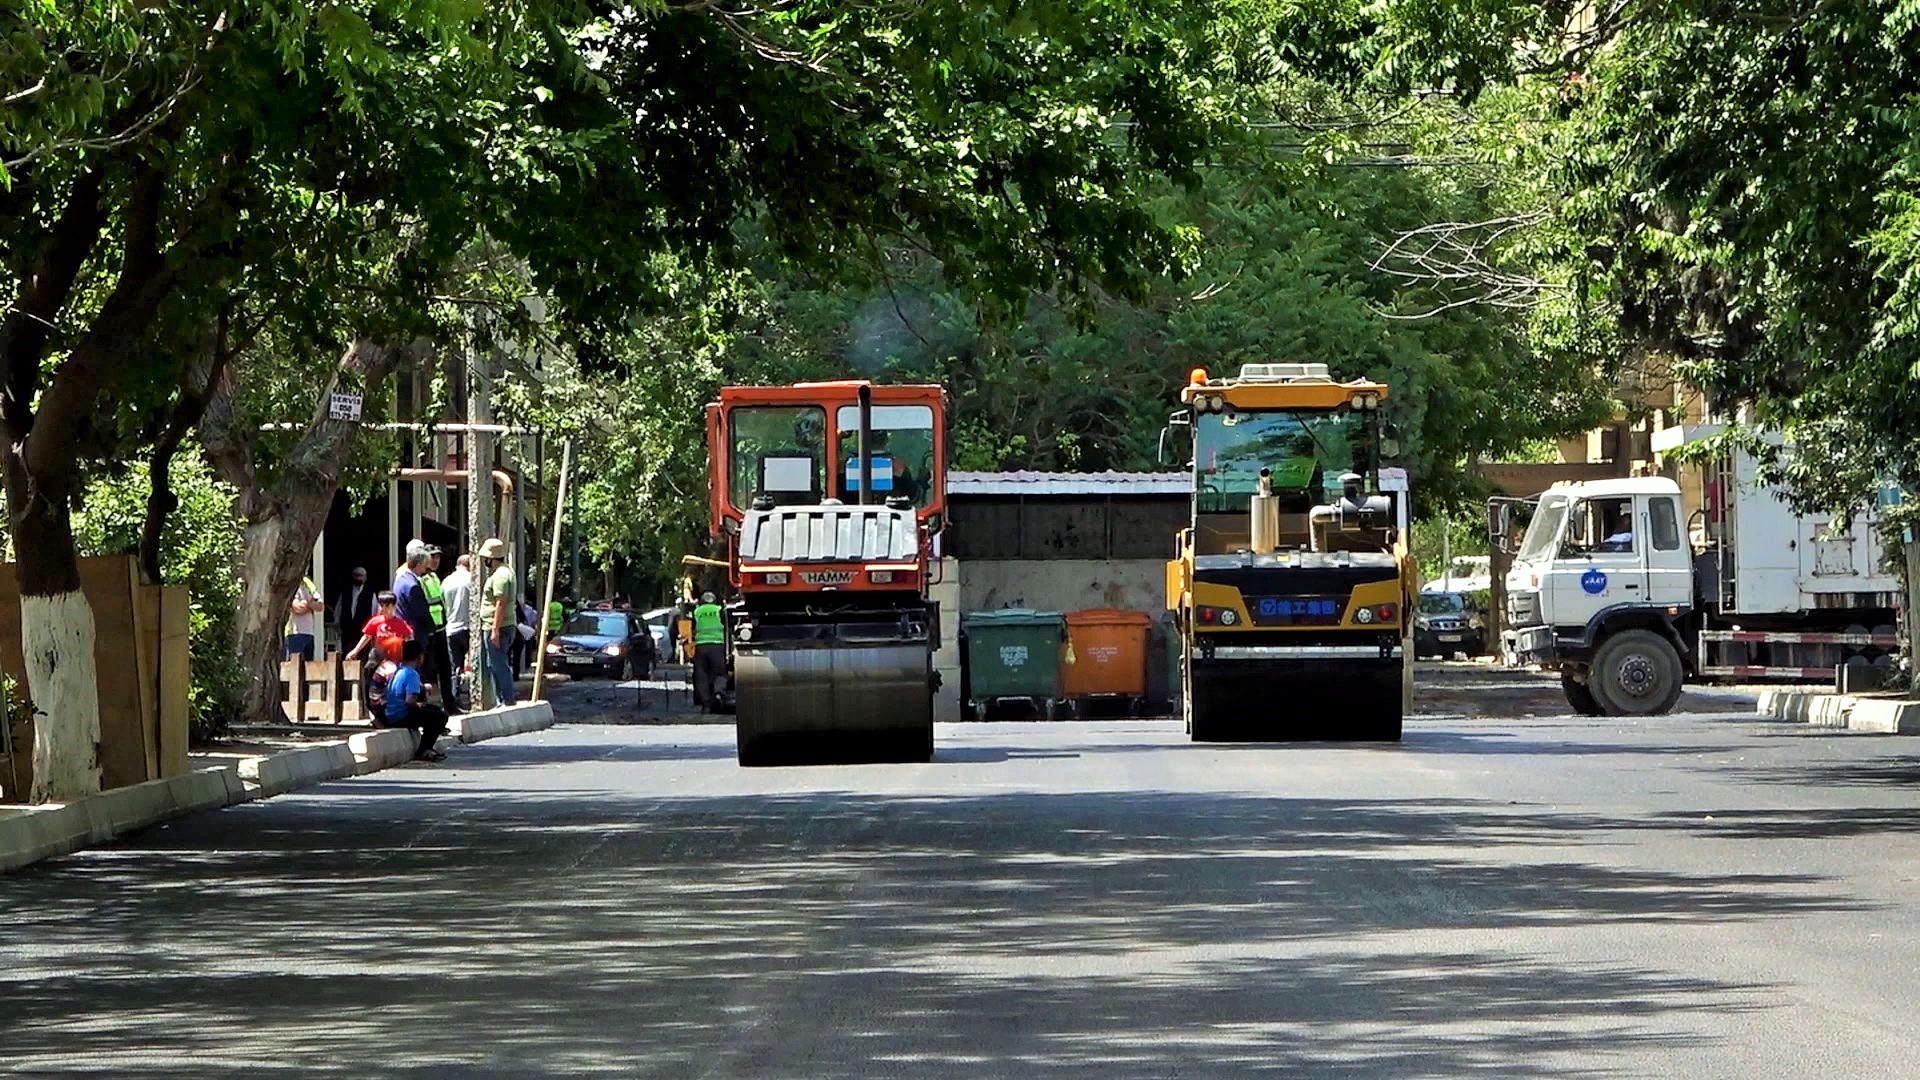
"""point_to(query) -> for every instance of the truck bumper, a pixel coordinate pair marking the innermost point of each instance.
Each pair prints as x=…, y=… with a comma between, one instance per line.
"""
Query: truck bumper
x=1528, y=646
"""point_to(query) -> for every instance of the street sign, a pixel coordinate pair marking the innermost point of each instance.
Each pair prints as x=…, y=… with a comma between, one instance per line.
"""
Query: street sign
x=344, y=406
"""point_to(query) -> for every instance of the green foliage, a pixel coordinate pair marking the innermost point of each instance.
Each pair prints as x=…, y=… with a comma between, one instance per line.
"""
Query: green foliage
x=1735, y=191
x=199, y=548
x=1435, y=538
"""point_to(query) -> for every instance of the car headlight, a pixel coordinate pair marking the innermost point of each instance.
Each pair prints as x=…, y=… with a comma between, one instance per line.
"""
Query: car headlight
x=612, y=650
x=553, y=646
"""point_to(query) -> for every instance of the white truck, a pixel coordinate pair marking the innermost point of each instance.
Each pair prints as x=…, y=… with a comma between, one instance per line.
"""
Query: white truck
x=1628, y=594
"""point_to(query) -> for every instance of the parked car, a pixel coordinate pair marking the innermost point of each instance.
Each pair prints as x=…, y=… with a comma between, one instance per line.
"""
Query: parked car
x=1445, y=623
x=617, y=644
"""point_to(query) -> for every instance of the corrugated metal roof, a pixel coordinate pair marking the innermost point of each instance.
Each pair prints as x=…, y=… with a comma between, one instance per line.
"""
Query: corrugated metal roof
x=829, y=534
x=1066, y=483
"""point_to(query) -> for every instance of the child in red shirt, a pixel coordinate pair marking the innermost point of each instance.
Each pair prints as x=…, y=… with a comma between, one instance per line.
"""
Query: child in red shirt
x=386, y=629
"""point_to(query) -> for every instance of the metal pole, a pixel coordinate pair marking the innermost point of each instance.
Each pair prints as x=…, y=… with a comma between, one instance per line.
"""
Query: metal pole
x=553, y=563
x=866, y=434
x=572, y=502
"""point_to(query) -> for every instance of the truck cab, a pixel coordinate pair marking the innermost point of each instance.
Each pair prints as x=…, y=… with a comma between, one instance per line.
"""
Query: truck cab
x=1602, y=589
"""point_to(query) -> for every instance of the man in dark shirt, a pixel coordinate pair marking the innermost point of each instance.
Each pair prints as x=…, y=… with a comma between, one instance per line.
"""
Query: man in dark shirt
x=413, y=597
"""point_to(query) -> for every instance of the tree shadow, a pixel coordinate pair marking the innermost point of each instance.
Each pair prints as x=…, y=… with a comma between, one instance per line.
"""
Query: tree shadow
x=404, y=924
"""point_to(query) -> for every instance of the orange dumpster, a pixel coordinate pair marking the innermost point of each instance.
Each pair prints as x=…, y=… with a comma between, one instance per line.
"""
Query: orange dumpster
x=1107, y=655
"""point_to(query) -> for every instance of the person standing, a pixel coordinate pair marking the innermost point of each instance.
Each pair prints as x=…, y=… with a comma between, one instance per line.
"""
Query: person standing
x=457, y=589
x=414, y=606
x=303, y=619
x=709, y=649
x=495, y=617
x=354, y=607
x=439, y=662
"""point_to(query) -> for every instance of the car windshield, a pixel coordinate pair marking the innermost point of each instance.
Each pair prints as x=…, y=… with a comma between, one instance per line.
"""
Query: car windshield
x=1545, y=529
x=1445, y=603
x=597, y=624
x=1306, y=452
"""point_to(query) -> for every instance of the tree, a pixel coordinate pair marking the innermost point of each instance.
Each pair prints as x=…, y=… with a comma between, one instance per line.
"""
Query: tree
x=1733, y=197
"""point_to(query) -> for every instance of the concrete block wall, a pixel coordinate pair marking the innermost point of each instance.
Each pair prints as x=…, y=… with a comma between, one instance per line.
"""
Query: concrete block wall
x=945, y=591
x=1064, y=584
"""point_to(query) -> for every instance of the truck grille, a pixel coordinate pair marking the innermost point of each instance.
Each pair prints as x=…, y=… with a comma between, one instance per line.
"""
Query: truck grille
x=1523, y=609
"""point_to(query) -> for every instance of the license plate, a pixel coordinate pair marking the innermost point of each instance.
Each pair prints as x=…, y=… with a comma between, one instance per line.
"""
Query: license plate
x=579, y=661
x=1451, y=637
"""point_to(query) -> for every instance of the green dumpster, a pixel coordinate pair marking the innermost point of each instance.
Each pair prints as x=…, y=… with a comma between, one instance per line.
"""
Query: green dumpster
x=1012, y=655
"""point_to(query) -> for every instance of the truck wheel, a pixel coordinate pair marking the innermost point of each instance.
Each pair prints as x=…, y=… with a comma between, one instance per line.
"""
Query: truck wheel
x=1579, y=695
x=1635, y=673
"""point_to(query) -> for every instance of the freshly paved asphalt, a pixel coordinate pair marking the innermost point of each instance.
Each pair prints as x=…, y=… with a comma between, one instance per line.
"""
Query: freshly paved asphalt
x=1701, y=895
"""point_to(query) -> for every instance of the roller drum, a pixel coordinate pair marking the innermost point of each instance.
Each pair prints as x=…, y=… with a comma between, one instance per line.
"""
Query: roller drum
x=833, y=702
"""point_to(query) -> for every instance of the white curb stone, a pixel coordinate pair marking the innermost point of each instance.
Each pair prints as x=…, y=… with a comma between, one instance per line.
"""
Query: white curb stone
x=1884, y=716
x=376, y=750
x=289, y=770
x=30, y=834
x=497, y=723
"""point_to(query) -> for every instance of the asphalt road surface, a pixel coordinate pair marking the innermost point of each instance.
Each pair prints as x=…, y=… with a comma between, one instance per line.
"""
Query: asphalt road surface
x=1702, y=895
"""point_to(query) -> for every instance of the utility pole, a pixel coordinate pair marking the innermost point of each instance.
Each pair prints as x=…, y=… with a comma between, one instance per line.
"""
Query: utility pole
x=573, y=519
x=479, y=507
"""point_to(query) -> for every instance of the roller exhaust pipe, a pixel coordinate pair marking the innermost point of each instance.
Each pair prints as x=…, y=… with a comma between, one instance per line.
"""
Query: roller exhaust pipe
x=865, y=435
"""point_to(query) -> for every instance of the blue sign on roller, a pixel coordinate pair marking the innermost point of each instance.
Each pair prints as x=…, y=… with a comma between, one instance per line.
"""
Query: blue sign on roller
x=1594, y=581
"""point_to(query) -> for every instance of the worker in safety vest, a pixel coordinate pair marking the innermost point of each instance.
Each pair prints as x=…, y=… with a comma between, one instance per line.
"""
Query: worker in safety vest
x=439, y=657
x=709, y=649
x=556, y=616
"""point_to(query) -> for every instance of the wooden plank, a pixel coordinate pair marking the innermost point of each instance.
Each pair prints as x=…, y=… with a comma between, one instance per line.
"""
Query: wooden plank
x=176, y=678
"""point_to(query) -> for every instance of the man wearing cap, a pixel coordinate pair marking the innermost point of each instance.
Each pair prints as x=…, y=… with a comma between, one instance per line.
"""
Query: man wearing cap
x=412, y=595
x=439, y=665
x=495, y=618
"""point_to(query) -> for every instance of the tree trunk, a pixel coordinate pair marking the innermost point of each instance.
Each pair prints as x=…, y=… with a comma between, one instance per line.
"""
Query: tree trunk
x=284, y=520
x=278, y=548
x=56, y=638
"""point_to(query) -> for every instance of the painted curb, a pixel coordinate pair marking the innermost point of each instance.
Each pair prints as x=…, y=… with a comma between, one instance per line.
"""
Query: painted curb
x=1879, y=716
x=376, y=750
x=290, y=770
x=31, y=834
x=1884, y=716
x=498, y=723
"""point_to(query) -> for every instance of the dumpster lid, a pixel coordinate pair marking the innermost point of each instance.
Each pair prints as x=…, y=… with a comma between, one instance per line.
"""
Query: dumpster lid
x=1108, y=617
x=1013, y=617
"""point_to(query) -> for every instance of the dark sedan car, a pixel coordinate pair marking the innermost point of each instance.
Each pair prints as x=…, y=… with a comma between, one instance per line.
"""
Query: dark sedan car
x=1444, y=623
x=612, y=643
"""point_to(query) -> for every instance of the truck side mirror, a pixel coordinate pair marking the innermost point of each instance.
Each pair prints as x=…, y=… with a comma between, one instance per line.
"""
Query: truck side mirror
x=1499, y=523
x=1181, y=420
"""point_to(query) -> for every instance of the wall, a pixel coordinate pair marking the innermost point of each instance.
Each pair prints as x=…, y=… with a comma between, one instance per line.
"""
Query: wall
x=1064, y=584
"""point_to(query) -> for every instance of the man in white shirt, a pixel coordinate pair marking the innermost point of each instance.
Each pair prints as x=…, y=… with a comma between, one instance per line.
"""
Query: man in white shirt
x=457, y=591
x=303, y=620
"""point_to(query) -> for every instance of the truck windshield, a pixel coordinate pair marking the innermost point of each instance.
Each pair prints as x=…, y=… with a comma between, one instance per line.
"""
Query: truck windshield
x=1545, y=529
x=1306, y=451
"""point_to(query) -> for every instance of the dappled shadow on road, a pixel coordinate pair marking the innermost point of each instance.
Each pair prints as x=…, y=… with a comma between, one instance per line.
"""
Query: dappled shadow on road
x=846, y=934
